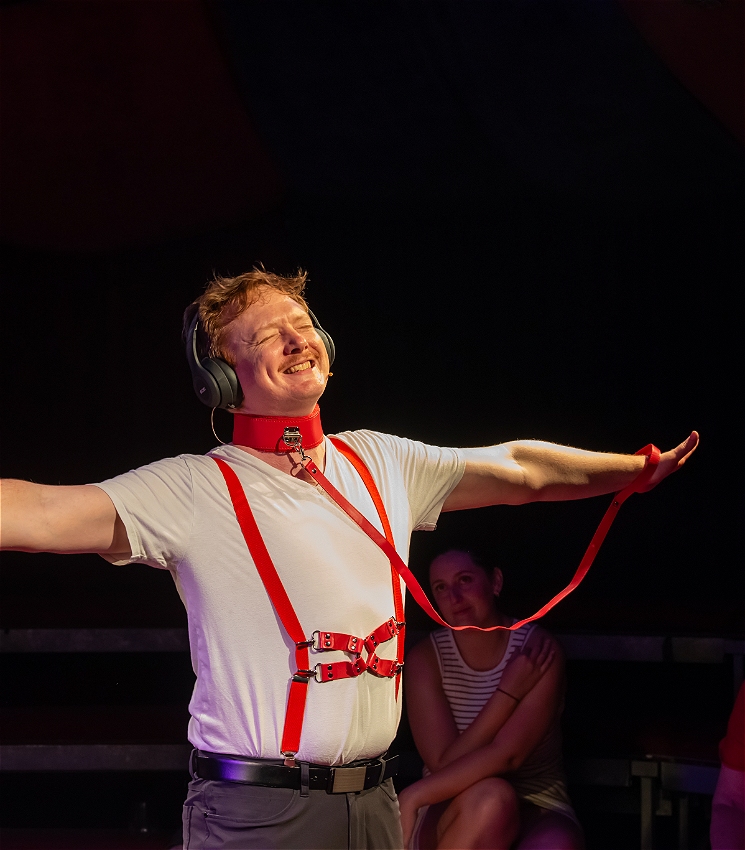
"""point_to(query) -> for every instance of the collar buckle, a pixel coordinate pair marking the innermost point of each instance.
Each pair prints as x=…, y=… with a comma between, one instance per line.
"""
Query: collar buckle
x=292, y=437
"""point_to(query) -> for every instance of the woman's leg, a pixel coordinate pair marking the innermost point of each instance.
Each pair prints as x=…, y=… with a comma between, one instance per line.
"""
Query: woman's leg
x=542, y=829
x=483, y=817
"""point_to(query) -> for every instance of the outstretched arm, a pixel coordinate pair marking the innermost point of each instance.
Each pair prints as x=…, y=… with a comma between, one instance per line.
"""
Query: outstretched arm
x=67, y=520
x=532, y=471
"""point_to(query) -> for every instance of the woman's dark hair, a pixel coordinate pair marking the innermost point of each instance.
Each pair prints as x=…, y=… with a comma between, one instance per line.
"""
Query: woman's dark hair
x=478, y=558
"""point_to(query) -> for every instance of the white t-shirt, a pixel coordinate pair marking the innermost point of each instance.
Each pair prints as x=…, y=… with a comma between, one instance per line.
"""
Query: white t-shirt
x=179, y=517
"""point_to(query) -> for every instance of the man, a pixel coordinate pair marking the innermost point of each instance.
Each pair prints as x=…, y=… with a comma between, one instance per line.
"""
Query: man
x=280, y=583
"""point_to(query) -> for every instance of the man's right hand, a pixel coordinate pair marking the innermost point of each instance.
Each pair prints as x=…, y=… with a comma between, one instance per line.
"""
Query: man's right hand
x=43, y=518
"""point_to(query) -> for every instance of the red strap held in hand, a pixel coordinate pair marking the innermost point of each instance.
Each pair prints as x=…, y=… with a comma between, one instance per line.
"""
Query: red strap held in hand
x=653, y=458
x=395, y=626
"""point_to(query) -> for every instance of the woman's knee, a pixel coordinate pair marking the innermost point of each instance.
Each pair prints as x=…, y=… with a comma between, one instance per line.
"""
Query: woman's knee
x=491, y=799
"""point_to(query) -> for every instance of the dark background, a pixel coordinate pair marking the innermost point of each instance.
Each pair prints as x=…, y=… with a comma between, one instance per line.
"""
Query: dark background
x=521, y=219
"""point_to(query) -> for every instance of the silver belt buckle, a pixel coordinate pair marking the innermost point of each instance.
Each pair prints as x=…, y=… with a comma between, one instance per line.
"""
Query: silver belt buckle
x=344, y=780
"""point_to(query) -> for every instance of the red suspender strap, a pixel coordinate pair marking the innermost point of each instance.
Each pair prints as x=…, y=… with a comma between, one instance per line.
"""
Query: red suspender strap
x=398, y=605
x=278, y=596
x=653, y=458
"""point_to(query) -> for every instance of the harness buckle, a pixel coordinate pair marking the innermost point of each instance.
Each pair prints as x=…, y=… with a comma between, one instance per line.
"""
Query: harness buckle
x=304, y=676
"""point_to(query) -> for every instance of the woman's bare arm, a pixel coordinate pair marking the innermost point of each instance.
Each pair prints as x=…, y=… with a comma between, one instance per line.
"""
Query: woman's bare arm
x=431, y=718
x=516, y=739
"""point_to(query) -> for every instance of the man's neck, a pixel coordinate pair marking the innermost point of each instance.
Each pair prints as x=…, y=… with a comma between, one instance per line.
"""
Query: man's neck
x=277, y=439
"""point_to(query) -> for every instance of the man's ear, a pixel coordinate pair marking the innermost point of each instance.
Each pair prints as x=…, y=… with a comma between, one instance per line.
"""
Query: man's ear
x=497, y=581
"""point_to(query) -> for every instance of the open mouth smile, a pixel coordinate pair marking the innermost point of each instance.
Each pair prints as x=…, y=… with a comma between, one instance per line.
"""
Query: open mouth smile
x=299, y=367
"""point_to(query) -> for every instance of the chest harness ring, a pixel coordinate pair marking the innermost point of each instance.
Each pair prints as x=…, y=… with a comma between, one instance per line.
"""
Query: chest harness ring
x=326, y=641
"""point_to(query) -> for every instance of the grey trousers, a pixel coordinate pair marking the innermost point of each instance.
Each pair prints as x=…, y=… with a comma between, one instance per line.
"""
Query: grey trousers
x=232, y=816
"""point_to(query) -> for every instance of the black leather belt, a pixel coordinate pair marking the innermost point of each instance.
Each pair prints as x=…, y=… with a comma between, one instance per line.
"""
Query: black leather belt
x=355, y=776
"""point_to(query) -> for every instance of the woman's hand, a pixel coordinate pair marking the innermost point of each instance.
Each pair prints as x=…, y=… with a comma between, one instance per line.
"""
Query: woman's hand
x=408, y=808
x=524, y=671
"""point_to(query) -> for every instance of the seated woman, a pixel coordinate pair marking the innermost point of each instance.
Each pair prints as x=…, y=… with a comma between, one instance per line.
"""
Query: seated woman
x=484, y=709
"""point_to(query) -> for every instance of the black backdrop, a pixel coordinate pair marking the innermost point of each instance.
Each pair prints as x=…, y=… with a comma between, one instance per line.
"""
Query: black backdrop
x=517, y=223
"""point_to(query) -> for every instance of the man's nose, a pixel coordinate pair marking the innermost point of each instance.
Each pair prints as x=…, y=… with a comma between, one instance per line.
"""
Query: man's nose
x=295, y=341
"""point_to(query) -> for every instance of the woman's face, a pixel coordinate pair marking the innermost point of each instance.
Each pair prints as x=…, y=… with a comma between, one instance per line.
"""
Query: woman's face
x=463, y=591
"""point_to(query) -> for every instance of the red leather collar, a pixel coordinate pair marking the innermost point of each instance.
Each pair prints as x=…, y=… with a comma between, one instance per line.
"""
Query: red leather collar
x=265, y=433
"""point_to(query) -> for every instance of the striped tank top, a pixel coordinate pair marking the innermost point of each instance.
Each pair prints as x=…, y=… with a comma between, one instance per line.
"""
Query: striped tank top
x=540, y=779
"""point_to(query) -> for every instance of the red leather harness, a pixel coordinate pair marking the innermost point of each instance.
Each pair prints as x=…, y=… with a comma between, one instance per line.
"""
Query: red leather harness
x=323, y=641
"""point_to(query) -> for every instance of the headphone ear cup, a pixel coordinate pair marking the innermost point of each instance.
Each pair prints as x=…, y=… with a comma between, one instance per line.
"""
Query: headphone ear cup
x=222, y=385
x=214, y=380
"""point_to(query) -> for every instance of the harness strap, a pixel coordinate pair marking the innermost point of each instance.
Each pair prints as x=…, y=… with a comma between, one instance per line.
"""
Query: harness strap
x=340, y=670
x=372, y=489
x=278, y=595
x=637, y=485
x=328, y=641
x=322, y=641
x=388, y=667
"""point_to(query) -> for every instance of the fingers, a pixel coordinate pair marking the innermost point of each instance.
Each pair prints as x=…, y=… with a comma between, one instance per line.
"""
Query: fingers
x=687, y=448
x=541, y=653
x=672, y=460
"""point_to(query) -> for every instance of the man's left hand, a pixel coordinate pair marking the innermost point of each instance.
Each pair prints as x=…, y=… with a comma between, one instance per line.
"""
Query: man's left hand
x=672, y=461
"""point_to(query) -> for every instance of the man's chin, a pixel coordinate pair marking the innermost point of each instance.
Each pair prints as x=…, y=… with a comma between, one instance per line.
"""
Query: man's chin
x=295, y=402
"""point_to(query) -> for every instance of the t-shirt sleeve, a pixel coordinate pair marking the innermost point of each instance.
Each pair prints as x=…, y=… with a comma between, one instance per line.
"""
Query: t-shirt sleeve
x=732, y=746
x=429, y=472
x=156, y=505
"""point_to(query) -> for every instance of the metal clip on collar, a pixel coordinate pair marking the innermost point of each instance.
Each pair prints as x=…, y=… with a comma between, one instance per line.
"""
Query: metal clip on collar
x=294, y=439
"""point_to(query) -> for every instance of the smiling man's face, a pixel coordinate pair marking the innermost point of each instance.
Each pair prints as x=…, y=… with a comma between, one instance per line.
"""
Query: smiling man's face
x=279, y=358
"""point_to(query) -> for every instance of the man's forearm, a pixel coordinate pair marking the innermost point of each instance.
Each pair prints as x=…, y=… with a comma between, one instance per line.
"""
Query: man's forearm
x=554, y=473
x=532, y=471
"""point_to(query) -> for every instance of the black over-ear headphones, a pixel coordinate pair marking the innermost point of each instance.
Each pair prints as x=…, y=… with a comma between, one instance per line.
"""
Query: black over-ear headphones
x=215, y=381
